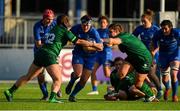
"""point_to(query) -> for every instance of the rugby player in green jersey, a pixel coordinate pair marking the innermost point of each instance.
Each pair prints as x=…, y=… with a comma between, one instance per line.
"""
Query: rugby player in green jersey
x=124, y=89
x=138, y=56
x=46, y=57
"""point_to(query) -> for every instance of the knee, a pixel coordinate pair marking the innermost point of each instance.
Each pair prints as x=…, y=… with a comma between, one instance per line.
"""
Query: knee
x=28, y=78
x=77, y=74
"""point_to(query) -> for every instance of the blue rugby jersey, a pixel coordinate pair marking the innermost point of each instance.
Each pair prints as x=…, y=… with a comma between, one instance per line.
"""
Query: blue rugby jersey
x=39, y=30
x=105, y=55
x=91, y=35
x=146, y=34
x=167, y=44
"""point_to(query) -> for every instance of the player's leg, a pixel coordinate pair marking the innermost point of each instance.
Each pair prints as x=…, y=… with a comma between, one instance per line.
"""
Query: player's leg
x=77, y=63
x=152, y=75
x=174, y=80
x=43, y=85
x=33, y=72
x=94, y=81
x=74, y=76
x=135, y=92
x=166, y=82
x=56, y=76
x=80, y=85
x=86, y=73
x=160, y=91
x=124, y=69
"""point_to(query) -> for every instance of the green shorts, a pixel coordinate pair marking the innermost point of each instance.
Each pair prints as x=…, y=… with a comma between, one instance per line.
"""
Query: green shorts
x=142, y=64
x=43, y=58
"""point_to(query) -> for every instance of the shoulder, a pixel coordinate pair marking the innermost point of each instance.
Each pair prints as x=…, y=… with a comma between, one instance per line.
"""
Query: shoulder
x=155, y=27
x=76, y=27
x=140, y=27
x=138, y=30
x=54, y=23
x=93, y=30
x=176, y=32
x=38, y=24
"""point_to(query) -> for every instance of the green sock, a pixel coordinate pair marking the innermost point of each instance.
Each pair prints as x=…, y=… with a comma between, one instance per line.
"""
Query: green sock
x=52, y=96
x=146, y=90
x=13, y=89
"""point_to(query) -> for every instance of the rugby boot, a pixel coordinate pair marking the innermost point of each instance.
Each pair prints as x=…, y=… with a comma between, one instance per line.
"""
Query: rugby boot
x=8, y=95
x=72, y=99
x=59, y=94
x=151, y=99
x=44, y=98
x=159, y=94
x=175, y=98
x=54, y=100
x=166, y=94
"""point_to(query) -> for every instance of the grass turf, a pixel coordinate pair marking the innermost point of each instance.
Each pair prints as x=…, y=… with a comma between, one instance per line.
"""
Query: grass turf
x=27, y=98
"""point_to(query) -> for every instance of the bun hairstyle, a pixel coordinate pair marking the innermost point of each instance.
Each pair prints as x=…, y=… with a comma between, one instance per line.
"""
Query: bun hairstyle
x=63, y=20
x=149, y=14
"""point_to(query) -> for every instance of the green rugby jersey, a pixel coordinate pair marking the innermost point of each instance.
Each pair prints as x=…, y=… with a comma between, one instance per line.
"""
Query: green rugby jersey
x=132, y=46
x=124, y=83
x=56, y=39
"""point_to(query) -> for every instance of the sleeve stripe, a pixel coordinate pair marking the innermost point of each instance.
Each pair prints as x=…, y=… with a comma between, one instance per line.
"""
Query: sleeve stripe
x=74, y=38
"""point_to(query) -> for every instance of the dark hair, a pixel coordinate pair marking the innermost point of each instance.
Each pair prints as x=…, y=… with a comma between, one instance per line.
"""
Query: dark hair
x=103, y=17
x=63, y=19
x=166, y=22
x=116, y=26
x=116, y=60
x=149, y=14
x=86, y=19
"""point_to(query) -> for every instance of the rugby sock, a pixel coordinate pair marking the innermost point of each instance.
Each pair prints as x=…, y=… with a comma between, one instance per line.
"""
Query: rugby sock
x=146, y=90
x=159, y=88
x=94, y=88
x=52, y=96
x=77, y=88
x=73, y=79
x=43, y=88
x=13, y=89
x=174, y=88
x=167, y=85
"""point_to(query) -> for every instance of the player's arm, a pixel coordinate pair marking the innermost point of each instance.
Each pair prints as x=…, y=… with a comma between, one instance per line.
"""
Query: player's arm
x=113, y=41
x=37, y=37
x=38, y=43
x=77, y=40
x=94, y=47
x=154, y=44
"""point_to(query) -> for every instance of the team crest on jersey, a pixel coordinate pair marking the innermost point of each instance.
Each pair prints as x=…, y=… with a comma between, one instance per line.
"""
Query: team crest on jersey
x=145, y=66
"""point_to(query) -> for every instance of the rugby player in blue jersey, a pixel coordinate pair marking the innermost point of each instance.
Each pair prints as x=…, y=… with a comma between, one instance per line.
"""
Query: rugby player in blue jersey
x=167, y=40
x=83, y=57
x=103, y=57
x=146, y=32
x=41, y=28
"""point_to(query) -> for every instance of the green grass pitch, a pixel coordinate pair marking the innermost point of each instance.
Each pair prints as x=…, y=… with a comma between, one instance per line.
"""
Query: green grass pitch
x=27, y=98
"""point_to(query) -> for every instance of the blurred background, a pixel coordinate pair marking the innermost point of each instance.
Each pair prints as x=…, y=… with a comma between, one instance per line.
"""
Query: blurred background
x=17, y=18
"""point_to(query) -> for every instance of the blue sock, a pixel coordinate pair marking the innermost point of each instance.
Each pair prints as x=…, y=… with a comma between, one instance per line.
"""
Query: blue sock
x=167, y=85
x=73, y=79
x=77, y=88
x=174, y=88
x=94, y=88
x=44, y=90
x=159, y=88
